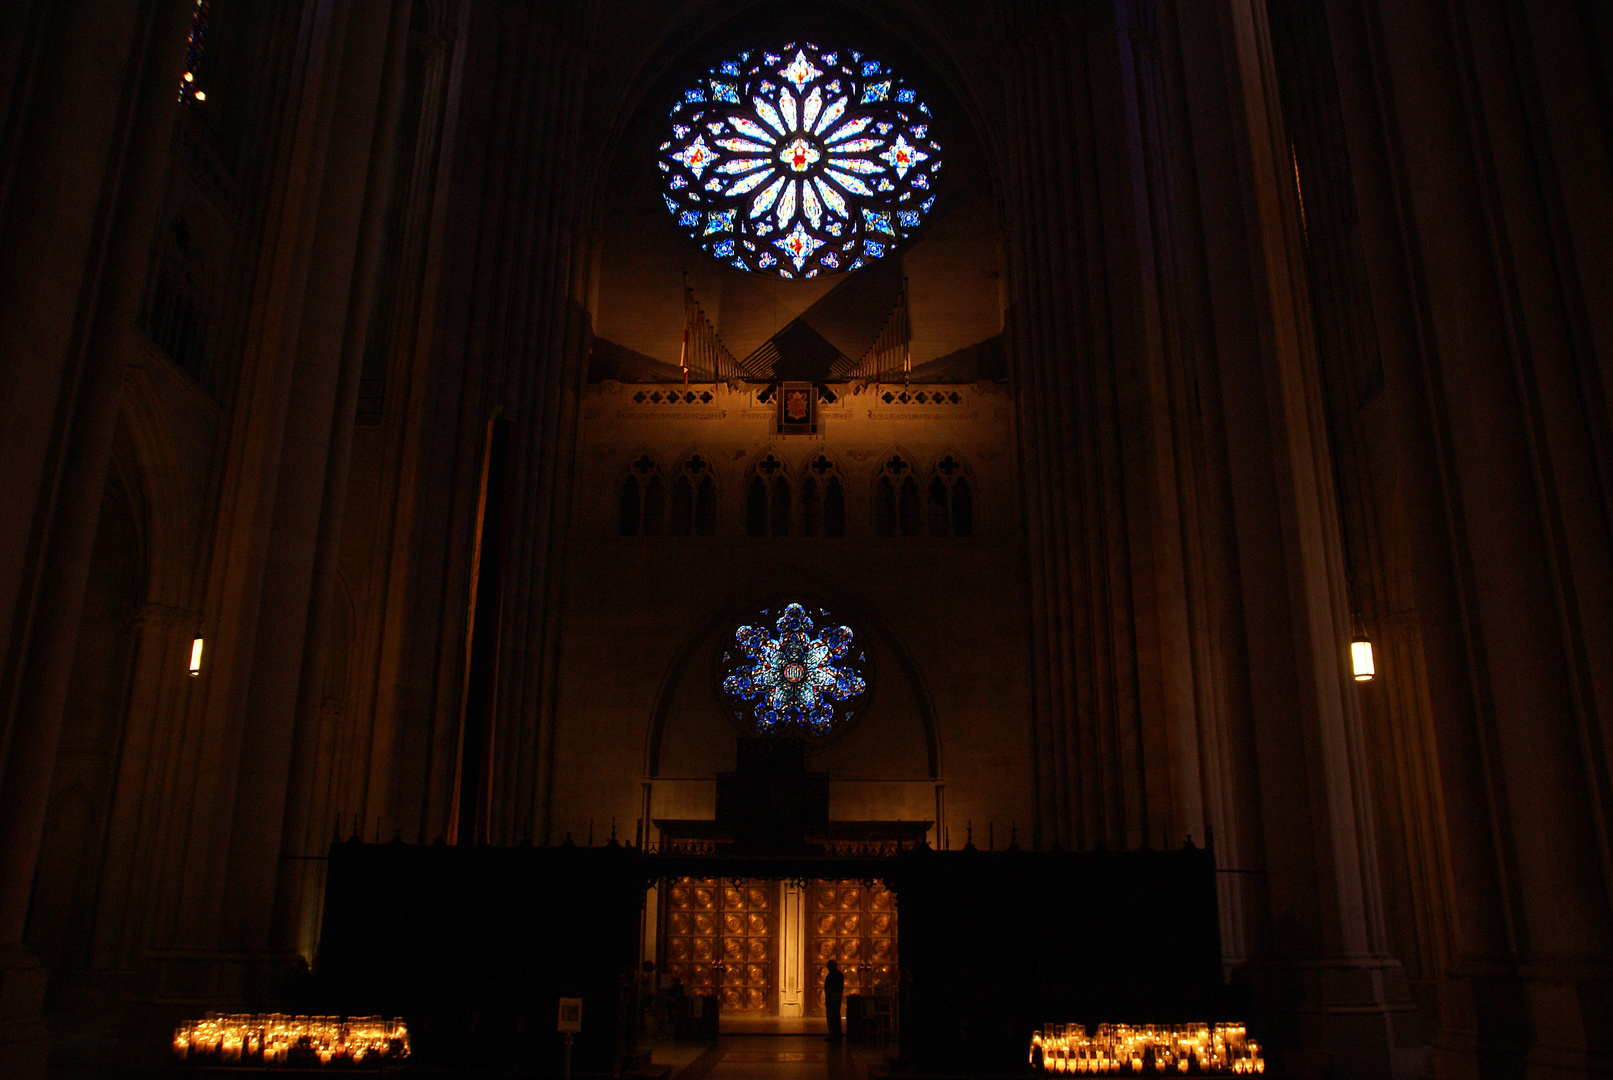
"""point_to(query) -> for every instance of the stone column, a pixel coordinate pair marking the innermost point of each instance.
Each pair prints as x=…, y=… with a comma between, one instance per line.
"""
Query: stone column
x=1337, y=1000
x=90, y=147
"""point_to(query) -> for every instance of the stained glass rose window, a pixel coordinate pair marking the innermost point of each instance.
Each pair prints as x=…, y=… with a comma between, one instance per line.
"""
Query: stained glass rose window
x=792, y=674
x=799, y=160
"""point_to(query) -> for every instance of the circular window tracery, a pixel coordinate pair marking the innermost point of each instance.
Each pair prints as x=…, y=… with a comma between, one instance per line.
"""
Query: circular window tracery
x=794, y=674
x=800, y=160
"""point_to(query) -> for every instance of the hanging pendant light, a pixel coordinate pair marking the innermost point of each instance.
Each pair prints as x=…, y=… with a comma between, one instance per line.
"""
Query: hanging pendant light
x=1361, y=657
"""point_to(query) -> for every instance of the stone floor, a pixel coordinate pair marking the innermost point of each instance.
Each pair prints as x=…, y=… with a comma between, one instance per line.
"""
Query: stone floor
x=767, y=1057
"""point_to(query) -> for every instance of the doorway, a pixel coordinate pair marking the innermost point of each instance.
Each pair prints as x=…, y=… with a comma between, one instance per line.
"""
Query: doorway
x=762, y=948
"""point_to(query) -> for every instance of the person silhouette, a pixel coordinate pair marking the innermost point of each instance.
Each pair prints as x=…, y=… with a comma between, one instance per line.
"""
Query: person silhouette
x=834, y=988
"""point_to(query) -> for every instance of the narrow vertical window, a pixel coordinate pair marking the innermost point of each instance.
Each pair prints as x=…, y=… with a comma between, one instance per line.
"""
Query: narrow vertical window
x=705, y=508
x=681, y=519
x=654, y=506
x=963, y=511
x=781, y=506
x=810, y=510
x=885, y=508
x=756, y=508
x=628, y=522
x=937, y=518
x=834, y=508
x=908, y=507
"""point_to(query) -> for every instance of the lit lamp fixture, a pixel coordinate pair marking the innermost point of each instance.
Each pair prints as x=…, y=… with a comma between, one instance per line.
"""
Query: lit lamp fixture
x=196, y=658
x=1361, y=658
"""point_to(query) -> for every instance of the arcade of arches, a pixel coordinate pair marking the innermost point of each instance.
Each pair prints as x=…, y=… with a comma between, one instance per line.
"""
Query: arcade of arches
x=1235, y=331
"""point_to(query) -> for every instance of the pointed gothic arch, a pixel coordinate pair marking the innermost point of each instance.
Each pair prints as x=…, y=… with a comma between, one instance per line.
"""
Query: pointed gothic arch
x=769, y=495
x=641, y=492
x=692, y=503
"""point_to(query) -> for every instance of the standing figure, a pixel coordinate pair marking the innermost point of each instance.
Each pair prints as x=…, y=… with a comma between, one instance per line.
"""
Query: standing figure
x=834, y=988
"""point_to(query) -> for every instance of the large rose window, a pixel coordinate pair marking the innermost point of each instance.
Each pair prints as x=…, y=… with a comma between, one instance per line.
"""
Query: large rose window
x=800, y=160
x=794, y=675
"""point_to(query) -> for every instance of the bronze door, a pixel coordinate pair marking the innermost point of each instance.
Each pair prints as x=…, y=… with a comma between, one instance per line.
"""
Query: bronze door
x=721, y=939
x=856, y=925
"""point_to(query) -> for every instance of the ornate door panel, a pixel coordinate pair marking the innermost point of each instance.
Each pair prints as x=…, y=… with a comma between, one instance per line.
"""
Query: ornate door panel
x=721, y=939
x=856, y=925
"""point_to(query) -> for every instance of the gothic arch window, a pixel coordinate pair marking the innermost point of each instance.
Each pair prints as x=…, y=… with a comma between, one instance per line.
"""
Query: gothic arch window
x=641, y=501
x=823, y=498
x=693, y=507
x=177, y=307
x=897, y=497
x=949, y=499
x=768, y=497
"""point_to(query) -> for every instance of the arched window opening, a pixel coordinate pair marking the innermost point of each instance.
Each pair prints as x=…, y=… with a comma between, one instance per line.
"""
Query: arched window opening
x=177, y=308
x=885, y=508
x=908, y=507
x=951, y=500
x=681, y=518
x=834, y=508
x=756, y=508
x=654, y=506
x=767, y=499
x=630, y=507
x=938, y=522
x=642, y=499
x=811, y=509
x=963, y=513
x=823, y=499
x=896, y=498
x=705, y=508
x=693, y=509
x=781, y=506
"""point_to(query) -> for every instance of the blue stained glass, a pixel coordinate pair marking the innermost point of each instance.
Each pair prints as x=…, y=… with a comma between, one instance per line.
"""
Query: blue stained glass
x=671, y=204
x=739, y=264
x=803, y=148
x=927, y=204
x=793, y=675
x=723, y=249
x=878, y=220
